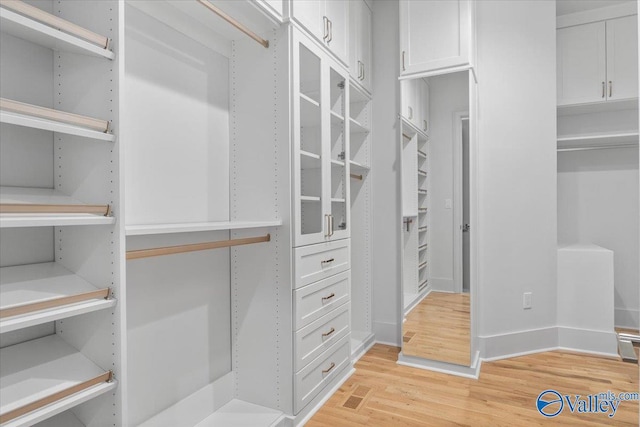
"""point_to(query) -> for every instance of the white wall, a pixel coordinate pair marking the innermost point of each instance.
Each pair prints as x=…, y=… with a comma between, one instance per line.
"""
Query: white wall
x=517, y=175
x=448, y=94
x=385, y=175
x=598, y=203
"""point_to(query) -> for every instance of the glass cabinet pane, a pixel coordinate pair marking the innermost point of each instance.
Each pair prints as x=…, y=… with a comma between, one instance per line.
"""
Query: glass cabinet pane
x=338, y=175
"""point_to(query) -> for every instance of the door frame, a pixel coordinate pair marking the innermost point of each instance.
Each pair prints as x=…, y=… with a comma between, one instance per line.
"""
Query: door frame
x=458, y=264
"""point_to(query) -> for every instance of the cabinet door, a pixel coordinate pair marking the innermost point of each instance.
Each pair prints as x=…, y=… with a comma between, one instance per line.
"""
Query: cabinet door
x=337, y=11
x=354, y=25
x=337, y=201
x=424, y=105
x=274, y=7
x=310, y=14
x=581, y=59
x=434, y=34
x=364, y=43
x=308, y=119
x=622, y=58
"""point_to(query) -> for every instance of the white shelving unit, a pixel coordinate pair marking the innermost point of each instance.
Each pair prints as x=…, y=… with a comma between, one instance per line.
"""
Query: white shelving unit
x=598, y=140
x=40, y=369
x=361, y=226
x=60, y=290
x=36, y=32
x=149, y=229
x=40, y=285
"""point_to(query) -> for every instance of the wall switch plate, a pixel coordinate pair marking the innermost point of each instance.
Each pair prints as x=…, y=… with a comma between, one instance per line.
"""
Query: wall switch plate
x=447, y=203
x=526, y=300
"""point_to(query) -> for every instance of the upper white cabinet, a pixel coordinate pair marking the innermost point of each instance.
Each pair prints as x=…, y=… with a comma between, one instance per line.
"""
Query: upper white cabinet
x=598, y=61
x=435, y=34
x=423, y=91
x=415, y=103
x=274, y=7
x=360, y=42
x=321, y=145
x=327, y=21
x=622, y=58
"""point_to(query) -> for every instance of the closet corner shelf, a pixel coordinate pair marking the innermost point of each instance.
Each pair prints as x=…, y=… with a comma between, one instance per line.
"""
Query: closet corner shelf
x=337, y=200
x=410, y=130
x=339, y=163
x=309, y=160
x=358, y=95
x=422, y=173
x=309, y=100
x=190, y=227
x=356, y=127
x=309, y=198
x=422, y=154
x=45, y=119
x=598, y=140
x=358, y=167
x=51, y=375
x=65, y=419
x=38, y=293
x=36, y=32
x=336, y=119
x=53, y=209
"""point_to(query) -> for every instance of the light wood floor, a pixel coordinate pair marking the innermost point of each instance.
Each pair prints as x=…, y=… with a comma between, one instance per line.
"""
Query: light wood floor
x=382, y=393
x=439, y=328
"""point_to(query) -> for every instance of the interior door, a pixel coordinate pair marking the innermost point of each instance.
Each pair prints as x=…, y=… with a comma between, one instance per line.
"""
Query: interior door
x=622, y=58
x=581, y=59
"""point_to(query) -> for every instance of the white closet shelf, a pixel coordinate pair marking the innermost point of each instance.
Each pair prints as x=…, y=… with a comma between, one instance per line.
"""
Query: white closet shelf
x=50, y=208
x=423, y=265
x=36, y=32
x=339, y=163
x=309, y=160
x=409, y=130
x=336, y=119
x=422, y=154
x=357, y=96
x=357, y=127
x=35, y=122
x=598, y=140
x=190, y=227
x=240, y=413
x=47, y=370
x=422, y=247
x=65, y=419
x=422, y=173
x=422, y=192
x=422, y=229
x=38, y=293
x=598, y=107
x=358, y=167
x=309, y=100
x=309, y=198
x=309, y=114
x=337, y=200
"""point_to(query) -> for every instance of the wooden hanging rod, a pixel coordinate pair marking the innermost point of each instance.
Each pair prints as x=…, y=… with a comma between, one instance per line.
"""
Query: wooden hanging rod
x=170, y=250
x=358, y=177
x=406, y=136
x=215, y=9
x=56, y=22
x=56, y=302
x=51, y=114
x=17, y=208
x=55, y=397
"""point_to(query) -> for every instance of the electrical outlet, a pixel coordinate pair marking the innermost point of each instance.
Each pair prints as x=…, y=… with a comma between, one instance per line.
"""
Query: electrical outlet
x=526, y=300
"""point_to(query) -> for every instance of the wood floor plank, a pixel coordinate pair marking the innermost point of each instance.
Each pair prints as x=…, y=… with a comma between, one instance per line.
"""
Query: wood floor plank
x=504, y=395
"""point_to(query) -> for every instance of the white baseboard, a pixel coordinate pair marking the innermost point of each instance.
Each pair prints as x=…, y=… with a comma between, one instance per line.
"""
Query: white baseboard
x=472, y=371
x=522, y=343
x=441, y=284
x=387, y=333
x=627, y=318
x=503, y=346
x=600, y=343
x=362, y=348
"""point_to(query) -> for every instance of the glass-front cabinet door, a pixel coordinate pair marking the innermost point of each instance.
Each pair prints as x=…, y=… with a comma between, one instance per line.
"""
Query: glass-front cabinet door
x=320, y=131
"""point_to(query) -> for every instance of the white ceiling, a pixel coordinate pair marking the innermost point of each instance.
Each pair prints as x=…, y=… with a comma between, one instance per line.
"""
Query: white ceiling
x=564, y=7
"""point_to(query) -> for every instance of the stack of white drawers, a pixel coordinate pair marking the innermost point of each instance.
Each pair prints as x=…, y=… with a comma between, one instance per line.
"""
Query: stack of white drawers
x=321, y=323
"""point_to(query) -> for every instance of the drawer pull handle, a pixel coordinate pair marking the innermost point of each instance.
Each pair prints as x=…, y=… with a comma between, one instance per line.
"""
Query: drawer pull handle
x=328, y=297
x=329, y=369
x=326, y=334
x=327, y=261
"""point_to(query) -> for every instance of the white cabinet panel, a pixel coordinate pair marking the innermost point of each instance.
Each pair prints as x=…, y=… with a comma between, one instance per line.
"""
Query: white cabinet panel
x=360, y=42
x=423, y=89
x=581, y=59
x=622, y=58
x=337, y=12
x=311, y=302
x=435, y=34
x=316, y=262
x=310, y=14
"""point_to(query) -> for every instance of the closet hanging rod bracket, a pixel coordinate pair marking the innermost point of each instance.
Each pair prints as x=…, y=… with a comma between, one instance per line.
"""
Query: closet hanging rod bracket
x=170, y=250
x=215, y=9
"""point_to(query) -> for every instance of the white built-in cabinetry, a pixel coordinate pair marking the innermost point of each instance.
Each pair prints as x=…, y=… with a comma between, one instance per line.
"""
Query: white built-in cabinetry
x=61, y=297
x=360, y=60
x=415, y=103
x=436, y=35
x=327, y=21
x=598, y=61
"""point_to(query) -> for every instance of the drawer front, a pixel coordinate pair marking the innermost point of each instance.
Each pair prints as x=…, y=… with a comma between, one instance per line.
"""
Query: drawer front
x=314, y=377
x=314, y=301
x=317, y=262
x=317, y=337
